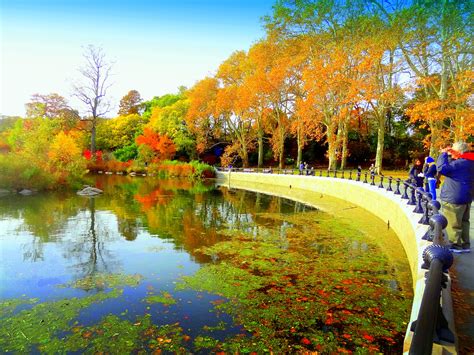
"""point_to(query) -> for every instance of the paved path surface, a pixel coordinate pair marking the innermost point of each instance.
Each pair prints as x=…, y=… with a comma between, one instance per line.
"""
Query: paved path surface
x=463, y=295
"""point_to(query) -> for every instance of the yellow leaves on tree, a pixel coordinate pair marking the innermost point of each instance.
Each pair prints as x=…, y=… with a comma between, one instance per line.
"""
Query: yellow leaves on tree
x=449, y=119
x=65, y=160
x=200, y=118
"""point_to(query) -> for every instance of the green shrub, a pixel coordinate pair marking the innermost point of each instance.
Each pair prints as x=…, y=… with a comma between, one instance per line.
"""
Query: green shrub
x=203, y=170
x=173, y=168
x=126, y=153
x=18, y=173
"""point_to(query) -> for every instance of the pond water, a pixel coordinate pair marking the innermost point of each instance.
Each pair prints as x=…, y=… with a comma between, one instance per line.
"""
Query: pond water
x=170, y=266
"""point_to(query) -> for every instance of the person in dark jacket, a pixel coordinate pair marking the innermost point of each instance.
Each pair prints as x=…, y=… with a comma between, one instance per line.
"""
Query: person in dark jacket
x=456, y=193
x=416, y=174
x=429, y=172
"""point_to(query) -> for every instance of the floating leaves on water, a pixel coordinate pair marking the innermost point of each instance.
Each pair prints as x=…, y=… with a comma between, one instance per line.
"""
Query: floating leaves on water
x=220, y=326
x=44, y=321
x=164, y=298
x=8, y=306
x=289, y=295
x=156, y=248
x=105, y=281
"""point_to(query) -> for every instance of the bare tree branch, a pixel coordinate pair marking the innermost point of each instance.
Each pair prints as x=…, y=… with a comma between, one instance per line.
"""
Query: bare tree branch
x=92, y=91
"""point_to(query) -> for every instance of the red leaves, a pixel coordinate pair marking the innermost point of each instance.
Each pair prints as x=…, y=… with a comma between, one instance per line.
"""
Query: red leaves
x=302, y=299
x=88, y=155
x=305, y=341
x=162, y=146
x=323, y=293
x=218, y=302
x=368, y=337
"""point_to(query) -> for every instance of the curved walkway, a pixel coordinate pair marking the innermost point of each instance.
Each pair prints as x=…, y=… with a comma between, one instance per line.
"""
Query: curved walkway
x=400, y=217
x=462, y=274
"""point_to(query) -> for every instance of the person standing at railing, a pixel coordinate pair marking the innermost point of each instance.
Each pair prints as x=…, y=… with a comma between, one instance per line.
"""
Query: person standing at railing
x=456, y=164
x=301, y=168
x=416, y=174
x=429, y=172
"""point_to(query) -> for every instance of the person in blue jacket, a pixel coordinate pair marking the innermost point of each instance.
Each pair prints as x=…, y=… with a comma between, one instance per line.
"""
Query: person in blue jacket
x=429, y=172
x=456, y=164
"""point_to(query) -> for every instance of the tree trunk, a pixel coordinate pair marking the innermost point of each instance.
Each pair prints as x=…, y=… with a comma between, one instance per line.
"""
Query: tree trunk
x=260, y=148
x=380, y=142
x=299, y=141
x=338, y=143
x=245, y=157
x=93, y=133
x=281, y=132
x=280, y=159
x=345, y=141
x=435, y=140
x=331, y=148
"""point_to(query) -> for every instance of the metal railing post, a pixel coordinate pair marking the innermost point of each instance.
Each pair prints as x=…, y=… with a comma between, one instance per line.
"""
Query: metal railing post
x=419, y=196
x=431, y=323
x=381, y=181
x=397, y=189
x=437, y=223
x=412, y=199
x=426, y=198
x=389, y=188
x=405, y=191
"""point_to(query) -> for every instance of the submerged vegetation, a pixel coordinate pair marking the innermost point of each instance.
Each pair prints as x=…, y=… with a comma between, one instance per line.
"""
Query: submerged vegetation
x=270, y=280
x=300, y=292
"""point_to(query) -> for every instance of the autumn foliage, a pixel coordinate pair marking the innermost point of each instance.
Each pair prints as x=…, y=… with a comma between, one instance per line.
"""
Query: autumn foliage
x=155, y=147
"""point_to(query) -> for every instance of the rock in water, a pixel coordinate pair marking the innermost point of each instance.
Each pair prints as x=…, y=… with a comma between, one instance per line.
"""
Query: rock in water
x=89, y=191
x=26, y=192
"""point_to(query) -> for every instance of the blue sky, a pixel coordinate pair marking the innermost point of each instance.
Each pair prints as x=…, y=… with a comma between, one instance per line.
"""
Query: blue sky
x=156, y=45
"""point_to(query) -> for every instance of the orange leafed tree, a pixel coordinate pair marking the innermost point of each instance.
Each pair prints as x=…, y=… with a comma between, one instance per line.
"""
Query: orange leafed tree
x=159, y=147
x=328, y=98
x=200, y=118
x=232, y=105
x=274, y=98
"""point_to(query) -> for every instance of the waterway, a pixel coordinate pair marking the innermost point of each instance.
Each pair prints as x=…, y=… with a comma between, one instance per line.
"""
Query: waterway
x=171, y=266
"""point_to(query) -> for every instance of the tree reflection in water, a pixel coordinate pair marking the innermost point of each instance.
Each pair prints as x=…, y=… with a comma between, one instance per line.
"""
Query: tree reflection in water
x=149, y=235
x=191, y=216
x=90, y=246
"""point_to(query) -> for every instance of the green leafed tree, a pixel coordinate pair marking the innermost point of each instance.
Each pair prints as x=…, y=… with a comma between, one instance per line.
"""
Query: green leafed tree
x=170, y=120
x=118, y=132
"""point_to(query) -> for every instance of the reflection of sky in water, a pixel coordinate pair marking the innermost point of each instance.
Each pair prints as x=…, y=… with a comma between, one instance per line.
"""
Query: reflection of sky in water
x=116, y=233
x=47, y=242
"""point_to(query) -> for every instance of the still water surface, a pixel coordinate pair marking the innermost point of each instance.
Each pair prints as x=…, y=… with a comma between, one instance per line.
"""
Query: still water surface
x=170, y=265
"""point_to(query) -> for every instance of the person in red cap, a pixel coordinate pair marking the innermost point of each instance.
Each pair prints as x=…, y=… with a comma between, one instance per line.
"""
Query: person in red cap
x=457, y=165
